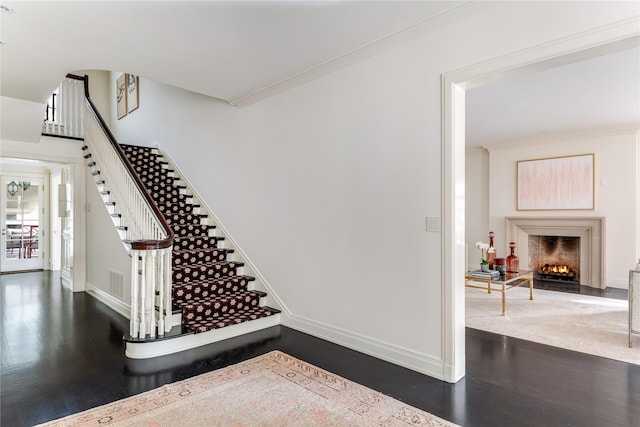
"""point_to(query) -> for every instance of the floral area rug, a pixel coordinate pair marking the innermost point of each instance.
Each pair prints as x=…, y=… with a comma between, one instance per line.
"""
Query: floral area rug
x=274, y=389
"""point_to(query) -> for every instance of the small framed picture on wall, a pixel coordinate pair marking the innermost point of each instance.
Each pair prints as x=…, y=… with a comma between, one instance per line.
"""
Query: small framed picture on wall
x=133, y=96
x=121, y=96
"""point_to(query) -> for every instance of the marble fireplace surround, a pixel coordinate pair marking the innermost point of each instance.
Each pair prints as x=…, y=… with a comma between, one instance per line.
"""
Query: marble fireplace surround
x=589, y=229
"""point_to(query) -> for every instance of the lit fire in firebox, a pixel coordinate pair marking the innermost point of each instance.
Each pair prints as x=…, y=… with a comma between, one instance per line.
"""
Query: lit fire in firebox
x=555, y=269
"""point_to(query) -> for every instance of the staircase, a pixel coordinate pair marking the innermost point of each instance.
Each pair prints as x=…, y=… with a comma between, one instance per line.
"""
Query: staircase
x=207, y=284
x=188, y=283
x=210, y=295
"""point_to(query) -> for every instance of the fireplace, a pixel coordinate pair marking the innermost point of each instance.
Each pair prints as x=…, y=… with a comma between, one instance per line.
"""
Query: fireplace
x=590, y=231
x=555, y=258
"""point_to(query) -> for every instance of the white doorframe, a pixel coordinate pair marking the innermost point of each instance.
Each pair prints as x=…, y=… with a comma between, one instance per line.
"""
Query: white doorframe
x=54, y=220
x=67, y=258
x=608, y=39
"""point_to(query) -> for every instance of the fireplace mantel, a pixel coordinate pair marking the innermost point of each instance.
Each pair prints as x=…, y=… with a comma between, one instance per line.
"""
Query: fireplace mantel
x=589, y=229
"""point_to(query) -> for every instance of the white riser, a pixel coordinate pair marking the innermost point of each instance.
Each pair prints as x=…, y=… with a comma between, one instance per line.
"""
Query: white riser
x=174, y=345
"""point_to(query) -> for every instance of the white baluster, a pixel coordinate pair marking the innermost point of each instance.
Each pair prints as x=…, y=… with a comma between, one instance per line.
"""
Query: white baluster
x=134, y=320
x=63, y=107
x=70, y=121
x=78, y=87
x=143, y=303
x=161, y=299
x=151, y=289
x=167, y=285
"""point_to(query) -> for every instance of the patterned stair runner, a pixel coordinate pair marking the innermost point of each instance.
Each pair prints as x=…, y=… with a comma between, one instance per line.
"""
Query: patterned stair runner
x=207, y=286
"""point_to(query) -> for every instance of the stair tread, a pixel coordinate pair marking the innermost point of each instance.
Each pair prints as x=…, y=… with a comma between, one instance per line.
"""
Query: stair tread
x=181, y=238
x=207, y=226
x=199, y=266
x=184, y=293
x=210, y=249
x=199, y=256
x=210, y=281
x=197, y=215
x=228, y=320
x=212, y=299
x=175, y=332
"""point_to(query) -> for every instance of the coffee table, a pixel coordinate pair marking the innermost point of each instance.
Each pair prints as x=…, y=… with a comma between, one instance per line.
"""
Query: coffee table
x=509, y=281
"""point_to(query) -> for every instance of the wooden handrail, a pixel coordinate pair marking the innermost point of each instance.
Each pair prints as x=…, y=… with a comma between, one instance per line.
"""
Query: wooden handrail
x=143, y=245
x=76, y=77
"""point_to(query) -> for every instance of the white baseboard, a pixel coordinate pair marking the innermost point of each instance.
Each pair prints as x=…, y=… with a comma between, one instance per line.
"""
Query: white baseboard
x=109, y=300
x=419, y=362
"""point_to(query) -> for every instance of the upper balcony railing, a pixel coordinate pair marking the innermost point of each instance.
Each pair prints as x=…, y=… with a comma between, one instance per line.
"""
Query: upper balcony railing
x=65, y=109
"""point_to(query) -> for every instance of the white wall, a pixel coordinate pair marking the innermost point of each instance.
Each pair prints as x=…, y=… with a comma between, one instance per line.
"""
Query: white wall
x=100, y=91
x=21, y=119
x=476, y=203
x=327, y=186
x=616, y=189
x=105, y=244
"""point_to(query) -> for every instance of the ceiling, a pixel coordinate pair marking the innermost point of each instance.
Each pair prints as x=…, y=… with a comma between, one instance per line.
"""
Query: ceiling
x=223, y=49
x=593, y=94
x=239, y=50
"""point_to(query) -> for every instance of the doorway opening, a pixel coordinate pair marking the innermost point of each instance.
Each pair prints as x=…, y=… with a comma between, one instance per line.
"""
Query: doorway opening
x=454, y=85
x=31, y=224
x=22, y=222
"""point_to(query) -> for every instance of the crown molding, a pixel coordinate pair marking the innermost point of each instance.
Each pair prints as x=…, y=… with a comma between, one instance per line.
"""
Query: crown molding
x=564, y=137
x=459, y=10
x=620, y=35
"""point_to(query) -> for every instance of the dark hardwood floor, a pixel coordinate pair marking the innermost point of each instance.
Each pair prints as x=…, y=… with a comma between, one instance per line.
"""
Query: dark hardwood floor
x=573, y=288
x=63, y=353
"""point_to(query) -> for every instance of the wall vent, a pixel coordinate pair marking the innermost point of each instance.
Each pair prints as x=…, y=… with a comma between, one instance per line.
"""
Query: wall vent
x=116, y=284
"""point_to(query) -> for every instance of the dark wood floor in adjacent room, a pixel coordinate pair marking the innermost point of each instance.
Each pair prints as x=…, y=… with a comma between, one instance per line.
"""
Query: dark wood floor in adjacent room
x=63, y=353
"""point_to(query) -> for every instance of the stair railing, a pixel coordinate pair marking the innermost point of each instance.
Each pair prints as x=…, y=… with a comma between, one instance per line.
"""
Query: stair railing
x=64, y=113
x=147, y=232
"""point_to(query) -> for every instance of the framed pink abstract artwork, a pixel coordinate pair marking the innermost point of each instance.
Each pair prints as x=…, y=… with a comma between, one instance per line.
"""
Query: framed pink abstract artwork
x=556, y=183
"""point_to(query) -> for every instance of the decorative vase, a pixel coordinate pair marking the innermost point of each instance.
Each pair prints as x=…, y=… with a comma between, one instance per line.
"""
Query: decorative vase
x=484, y=267
x=500, y=264
x=491, y=254
x=513, y=262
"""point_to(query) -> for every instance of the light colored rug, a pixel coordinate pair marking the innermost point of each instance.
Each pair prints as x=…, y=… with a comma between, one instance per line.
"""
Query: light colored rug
x=270, y=390
x=587, y=324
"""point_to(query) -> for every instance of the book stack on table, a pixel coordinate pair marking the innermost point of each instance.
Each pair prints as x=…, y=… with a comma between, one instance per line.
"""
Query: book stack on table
x=491, y=274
